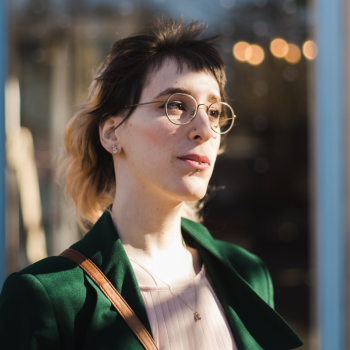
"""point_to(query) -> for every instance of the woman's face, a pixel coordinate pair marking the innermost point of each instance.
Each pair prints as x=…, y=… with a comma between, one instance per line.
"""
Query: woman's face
x=164, y=157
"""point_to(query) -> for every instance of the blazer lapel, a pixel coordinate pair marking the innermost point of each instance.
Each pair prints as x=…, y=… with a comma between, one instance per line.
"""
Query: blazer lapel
x=103, y=246
x=255, y=325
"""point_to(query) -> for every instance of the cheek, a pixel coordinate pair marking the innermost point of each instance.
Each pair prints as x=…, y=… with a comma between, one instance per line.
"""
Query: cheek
x=154, y=140
x=159, y=135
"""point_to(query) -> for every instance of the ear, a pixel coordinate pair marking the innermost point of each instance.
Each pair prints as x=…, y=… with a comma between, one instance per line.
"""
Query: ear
x=108, y=136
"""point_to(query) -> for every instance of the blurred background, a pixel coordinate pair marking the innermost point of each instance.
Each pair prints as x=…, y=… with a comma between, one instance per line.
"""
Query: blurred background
x=264, y=181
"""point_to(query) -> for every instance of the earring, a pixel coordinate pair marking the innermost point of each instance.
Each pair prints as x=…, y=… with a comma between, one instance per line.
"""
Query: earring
x=115, y=149
x=198, y=170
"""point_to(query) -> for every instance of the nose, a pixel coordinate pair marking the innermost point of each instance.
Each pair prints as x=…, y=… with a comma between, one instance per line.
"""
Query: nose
x=201, y=128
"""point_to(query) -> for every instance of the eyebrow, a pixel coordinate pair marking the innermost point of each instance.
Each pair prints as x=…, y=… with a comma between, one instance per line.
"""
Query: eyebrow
x=211, y=98
x=214, y=98
x=172, y=90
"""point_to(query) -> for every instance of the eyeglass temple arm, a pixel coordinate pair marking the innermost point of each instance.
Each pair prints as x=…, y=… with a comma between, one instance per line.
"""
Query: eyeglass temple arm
x=232, y=117
x=144, y=103
x=116, y=126
x=139, y=104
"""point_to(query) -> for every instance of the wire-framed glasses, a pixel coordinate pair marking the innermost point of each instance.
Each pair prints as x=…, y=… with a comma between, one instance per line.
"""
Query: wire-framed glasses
x=181, y=109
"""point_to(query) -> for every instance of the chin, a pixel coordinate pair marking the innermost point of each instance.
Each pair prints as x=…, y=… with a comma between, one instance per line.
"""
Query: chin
x=192, y=190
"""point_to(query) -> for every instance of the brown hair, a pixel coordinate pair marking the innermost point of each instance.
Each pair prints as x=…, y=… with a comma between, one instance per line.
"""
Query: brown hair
x=85, y=167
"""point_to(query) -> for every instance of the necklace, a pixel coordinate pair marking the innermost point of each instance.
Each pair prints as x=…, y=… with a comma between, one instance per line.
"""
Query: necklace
x=196, y=315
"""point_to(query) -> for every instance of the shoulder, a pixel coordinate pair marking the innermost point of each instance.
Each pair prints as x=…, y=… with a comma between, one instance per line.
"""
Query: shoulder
x=26, y=283
x=50, y=271
x=250, y=267
x=244, y=262
x=45, y=280
x=38, y=300
x=26, y=308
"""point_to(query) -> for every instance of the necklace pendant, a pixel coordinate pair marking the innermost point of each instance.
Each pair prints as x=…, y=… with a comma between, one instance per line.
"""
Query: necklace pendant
x=197, y=316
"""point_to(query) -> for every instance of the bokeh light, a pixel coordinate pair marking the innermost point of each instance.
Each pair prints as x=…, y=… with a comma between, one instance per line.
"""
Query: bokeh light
x=239, y=51
x=293, y=55
x=279, y=48
x=254, y=54
x=310, y=50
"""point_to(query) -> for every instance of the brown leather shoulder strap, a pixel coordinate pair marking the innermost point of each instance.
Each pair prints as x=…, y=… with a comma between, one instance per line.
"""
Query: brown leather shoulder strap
x=114, y=297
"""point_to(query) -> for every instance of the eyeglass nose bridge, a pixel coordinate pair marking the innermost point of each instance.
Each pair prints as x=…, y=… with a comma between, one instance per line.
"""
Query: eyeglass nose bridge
x=194, y=113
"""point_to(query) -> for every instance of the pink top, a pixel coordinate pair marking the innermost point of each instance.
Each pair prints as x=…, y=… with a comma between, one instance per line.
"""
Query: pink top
x=172, y=322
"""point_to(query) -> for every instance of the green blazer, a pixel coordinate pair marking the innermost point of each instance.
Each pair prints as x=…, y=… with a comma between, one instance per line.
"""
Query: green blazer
x=52, y=304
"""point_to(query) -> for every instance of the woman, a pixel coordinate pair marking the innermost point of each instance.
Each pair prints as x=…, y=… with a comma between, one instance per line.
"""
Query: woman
x=143, y=145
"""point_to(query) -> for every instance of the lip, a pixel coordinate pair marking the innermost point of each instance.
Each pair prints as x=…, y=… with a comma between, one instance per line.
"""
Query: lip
x=195, y=160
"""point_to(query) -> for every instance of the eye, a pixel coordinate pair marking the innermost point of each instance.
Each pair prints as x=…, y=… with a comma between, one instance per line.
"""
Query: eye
x=214, y=113
x=176, y=105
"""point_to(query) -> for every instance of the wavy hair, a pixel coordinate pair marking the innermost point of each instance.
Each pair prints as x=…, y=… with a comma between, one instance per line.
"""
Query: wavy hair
x=84, y=167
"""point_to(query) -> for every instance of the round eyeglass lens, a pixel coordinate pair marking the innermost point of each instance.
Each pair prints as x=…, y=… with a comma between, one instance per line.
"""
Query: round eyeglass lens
x=181, y=108
x=221, y=117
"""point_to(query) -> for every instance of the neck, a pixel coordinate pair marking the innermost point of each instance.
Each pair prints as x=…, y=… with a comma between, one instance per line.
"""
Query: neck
x=147, y=224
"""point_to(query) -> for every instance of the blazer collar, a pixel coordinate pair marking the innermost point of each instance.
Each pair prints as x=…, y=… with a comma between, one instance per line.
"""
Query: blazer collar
x=253, y=321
